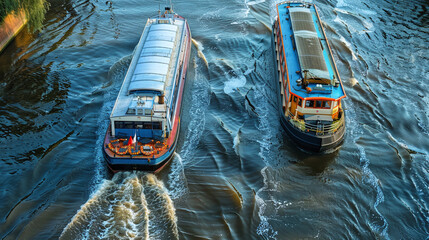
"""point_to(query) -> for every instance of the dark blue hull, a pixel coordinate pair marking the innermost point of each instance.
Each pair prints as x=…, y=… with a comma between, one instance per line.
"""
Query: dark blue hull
x=313, y=142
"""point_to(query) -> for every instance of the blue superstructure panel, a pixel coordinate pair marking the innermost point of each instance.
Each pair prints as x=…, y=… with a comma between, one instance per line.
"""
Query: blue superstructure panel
x=292, y=58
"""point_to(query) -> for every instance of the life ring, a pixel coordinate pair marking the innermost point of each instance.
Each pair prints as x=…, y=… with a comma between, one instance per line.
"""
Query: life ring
x=115, y=146
x=144, y=152
x=160, y=146
x=131, y=150
x=119, y=152
x=118, y=140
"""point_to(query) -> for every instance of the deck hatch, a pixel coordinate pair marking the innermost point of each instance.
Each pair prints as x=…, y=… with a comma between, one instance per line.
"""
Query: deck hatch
x=310, y=53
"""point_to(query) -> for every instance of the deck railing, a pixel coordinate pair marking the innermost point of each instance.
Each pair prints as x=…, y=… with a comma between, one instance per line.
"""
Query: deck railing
x=317, y=129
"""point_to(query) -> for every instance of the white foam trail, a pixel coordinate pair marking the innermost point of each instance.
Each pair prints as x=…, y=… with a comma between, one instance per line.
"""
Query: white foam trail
x=264, y=228
x=200, y=101
x=121, y=209
x=128, y=210
x=84, y=212
x=200, y=49
x=248, y=71
x=268, y=144
x=237, y=143
x=404, y=145
x=420, y=180
x=357, y=14
x=353, y=81
x=368, y=177
x=341, y=3
x=266, y=126
x=233, y=83
x=356, y=6
x=161, y=195
x=146, y=216
x=217, y=37
x=349, y=46
x=177, y=183
x=250, y=3
x=371, y=179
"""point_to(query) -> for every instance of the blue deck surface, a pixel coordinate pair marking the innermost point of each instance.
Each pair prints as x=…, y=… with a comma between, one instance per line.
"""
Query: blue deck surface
x=292, y=57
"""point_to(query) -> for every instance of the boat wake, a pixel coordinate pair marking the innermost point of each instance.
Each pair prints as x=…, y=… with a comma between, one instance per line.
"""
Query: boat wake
x=200, y=49
x=200, y=100
x=130, y=206
x=264, y=228
x=136, y=205
x=250, y=3
x=235, y=80
x=269, y=144
x=177, y=183
x=378, y=223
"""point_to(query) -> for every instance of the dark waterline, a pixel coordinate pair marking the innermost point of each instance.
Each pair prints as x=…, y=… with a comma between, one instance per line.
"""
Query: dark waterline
x=235, y=174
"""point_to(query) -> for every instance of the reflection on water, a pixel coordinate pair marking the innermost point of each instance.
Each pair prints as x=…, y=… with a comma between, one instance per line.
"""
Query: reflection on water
x=235, y=174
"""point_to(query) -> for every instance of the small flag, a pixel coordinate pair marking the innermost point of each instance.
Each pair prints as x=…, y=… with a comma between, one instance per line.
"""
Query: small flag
x=130, y=141
x=135, y=138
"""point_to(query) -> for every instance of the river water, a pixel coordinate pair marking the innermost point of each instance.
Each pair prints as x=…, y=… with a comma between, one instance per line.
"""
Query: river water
x=235, y=174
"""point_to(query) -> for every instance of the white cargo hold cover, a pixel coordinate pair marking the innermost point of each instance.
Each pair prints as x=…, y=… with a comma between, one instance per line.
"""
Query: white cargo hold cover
x=152, y=71
x=152, y=68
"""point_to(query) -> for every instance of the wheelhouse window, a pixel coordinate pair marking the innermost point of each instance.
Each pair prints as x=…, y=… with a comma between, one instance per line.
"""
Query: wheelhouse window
x=128, y=125
x=309, y=103
x=138, y=125
x=119, y=125
x=318, y=104
x=327, y=104
x=157, y=125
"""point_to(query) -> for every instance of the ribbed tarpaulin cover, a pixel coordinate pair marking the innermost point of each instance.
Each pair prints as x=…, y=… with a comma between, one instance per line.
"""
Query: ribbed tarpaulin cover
x=307, y=42
x=153, y=65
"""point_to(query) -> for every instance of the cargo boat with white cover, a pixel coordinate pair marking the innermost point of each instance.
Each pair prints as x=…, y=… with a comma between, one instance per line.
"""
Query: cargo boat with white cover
x=309, y=86
x=145, y=121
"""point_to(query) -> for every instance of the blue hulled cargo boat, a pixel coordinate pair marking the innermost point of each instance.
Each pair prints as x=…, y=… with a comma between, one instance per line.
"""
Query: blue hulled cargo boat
x=309, y=86
x=145, y=121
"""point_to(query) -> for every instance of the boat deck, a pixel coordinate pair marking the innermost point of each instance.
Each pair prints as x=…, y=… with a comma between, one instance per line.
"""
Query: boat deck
x=150, y=149
x=293, y=59
x=153, y=66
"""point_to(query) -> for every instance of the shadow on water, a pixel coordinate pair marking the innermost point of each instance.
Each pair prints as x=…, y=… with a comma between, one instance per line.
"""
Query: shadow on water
x=313, y=164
